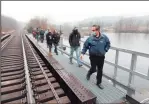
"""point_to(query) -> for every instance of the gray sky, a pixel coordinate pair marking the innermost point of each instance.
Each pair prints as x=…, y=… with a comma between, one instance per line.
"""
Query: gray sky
x=70, y=11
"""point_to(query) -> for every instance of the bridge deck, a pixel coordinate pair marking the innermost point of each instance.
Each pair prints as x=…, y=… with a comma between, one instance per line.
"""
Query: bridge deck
x=107, y=95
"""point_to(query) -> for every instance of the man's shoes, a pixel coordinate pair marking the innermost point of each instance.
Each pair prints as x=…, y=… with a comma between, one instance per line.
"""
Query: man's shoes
x=80, y=65
x=100, y=86
x=88, y=76
x=70, y=61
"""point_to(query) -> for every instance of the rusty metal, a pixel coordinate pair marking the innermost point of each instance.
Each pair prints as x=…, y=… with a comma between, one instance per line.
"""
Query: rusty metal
x=12, y=73
x=64, y=100
x=19, y=76
x=45, y=88
x=49, y=95
x=13, y=96
x=20, y=101
x=13, y=88
x=83, y=94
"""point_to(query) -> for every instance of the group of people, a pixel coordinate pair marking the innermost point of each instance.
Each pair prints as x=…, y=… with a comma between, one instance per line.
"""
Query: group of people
x=52, y=38
x=97, y=43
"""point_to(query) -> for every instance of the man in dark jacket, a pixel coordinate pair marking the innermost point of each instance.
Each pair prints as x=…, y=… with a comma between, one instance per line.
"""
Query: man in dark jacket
x=42, y=35
x=45, y=34
x=98, y=44
x=37, y=34
x=56, y=38
x=74, y=41
x=49, y=41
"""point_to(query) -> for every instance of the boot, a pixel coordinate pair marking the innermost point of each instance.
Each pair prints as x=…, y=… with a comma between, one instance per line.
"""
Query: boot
x=88, y=76
x=100, y=86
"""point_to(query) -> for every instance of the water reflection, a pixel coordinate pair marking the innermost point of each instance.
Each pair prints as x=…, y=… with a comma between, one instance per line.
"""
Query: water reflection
x=131, y=41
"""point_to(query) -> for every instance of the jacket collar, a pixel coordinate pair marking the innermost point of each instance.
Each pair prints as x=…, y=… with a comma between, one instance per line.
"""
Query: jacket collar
x=101, y=36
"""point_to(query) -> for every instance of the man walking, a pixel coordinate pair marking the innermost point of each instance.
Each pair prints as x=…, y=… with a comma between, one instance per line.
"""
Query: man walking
x=98, y=44
x=42, y=35
x=45, y=34
x=37, y=34
x=49, y=42
x=74, y=41
x=56, y=38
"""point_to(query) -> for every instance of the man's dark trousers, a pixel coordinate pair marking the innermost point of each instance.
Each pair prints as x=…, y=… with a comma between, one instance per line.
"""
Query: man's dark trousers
x=96, y=61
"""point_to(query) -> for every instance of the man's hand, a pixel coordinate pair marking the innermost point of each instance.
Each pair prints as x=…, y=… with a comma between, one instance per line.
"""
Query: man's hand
x=81, y=57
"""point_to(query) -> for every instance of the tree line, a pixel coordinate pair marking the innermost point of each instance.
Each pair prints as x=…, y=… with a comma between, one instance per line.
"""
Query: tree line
x=8, y=24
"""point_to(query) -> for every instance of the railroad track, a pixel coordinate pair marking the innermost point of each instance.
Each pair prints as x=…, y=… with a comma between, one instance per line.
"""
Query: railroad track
x=13, y=85
x=27, y=78
x=46, y=88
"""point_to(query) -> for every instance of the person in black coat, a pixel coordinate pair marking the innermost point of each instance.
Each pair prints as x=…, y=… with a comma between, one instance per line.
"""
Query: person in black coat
x=56, y=38
x=74, y=41
x=49, y=41
x=42, y=35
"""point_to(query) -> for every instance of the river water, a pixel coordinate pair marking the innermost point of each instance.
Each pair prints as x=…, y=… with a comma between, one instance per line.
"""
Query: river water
x=131, y=41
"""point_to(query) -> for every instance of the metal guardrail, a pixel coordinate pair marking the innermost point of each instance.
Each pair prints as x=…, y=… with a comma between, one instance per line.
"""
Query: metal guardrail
x=131, y=70
x=145, y=101
x=4, y=37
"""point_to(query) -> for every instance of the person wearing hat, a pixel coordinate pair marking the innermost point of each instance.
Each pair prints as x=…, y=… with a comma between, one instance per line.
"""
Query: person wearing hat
x=74, y=41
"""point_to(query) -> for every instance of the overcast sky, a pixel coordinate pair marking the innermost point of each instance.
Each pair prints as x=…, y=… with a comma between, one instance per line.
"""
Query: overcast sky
x=69, y=11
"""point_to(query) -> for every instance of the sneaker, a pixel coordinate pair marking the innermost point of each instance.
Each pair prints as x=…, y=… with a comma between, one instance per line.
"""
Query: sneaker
x=100, y=86
x=88, y=76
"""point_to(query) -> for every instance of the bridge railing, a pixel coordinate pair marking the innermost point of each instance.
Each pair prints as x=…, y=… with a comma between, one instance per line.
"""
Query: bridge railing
x=132, y=70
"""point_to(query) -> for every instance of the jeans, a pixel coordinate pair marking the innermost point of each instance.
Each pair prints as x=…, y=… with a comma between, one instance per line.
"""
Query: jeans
x=55, y=50
x=77, y=50
x=41, y=38
x=50, y=47
x=37, y=37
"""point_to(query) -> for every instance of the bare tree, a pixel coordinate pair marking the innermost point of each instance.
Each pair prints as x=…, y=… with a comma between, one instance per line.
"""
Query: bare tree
x=127, y=25
x=119, y=25
x=38, y=22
